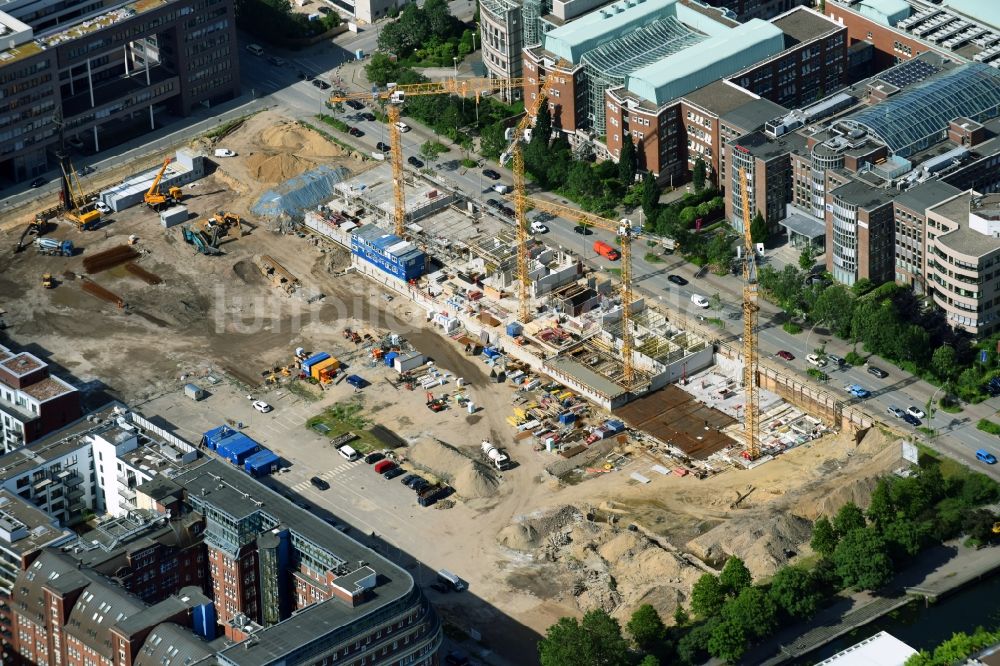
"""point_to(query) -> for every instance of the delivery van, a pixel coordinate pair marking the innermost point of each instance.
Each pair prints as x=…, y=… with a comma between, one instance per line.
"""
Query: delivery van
x=348, y=452
x=606, y=251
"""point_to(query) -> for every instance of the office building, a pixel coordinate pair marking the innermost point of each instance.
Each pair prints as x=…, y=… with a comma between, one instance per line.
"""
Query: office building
x=664, y=72
x=106, y=73
x=32, y=401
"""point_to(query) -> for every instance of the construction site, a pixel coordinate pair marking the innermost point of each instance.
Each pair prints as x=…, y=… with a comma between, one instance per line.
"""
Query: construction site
x=635, y=456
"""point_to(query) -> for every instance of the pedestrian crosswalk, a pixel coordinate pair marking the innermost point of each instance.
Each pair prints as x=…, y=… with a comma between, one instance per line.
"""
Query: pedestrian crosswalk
x=329, y=475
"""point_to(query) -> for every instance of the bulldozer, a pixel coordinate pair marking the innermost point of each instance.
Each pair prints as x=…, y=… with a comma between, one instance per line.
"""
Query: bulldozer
x=156, y=199
x=47, y=281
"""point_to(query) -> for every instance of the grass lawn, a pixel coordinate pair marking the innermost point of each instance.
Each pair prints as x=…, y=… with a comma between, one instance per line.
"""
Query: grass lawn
x=344, y=417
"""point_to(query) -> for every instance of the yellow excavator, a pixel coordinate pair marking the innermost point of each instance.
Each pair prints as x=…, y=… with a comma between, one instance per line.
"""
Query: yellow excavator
x=77, y=210
x=156, y=199
x=47, y=281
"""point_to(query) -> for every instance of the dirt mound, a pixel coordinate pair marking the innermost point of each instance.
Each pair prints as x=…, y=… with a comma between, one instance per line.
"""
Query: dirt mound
x=289, y=137
x=764, y=541
x=275, y=168
x=519, y=536
x=469, y=477
x=247, y=272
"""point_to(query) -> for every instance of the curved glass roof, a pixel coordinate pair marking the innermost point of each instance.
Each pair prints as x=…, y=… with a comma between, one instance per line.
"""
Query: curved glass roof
x=641, y=47
x=913, y=119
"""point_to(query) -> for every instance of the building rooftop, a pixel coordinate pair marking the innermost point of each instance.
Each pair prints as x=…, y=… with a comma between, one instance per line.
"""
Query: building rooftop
x=22, y=364
x=584, y=375
x=926, y=195
x=25, y=529
x=764, y=147
x=862, y=195
x=965, y=239
x=171, y=645
x=48, y=388
x=802, y=24
x=606, y=24
x=981, y=10
x=188, y=597
x=752, y=115
x=886, y=12
x=719, y=97
x=709, y=60
x=882, y=649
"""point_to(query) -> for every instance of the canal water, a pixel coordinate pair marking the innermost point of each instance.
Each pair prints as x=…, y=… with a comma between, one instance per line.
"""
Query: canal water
x=925, y=627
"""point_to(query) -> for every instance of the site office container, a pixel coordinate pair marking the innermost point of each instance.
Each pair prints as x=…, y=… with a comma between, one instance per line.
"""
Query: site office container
x=606, y=251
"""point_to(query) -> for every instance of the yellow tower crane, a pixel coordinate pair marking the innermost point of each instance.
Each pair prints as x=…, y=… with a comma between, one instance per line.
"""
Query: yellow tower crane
x=626, y=233
x=751, y=411
x=395, y=95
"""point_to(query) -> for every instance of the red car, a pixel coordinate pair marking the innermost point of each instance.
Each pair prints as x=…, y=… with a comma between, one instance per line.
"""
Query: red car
x=383, y=466
x=785, y=355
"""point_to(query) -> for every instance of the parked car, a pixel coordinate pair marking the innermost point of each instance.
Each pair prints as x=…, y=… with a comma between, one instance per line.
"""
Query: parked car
x=857, y=391
x=415, y=161
x=408, y=479
x=319, y=483
x=373, y=457
x=582, y=229
x=262, y=406
x=370, y=117
x=323, y=10
x=787, y=355
x=702, y=303
x=383, y=466
x=440, y=587
x=402, y=127
x=507, y=210
x=383, y=146
x=491, y=174
x=677, y=279
x=836, y=360
x=816, y=360
x=38, y=182
x=912, y=420
x=878, y=372
x=103, y=207
x=986, y=457
x=354, y=131
x=895, y=411
x=538, y=228
x=456, y=658
x=321, y=84
x=913, y=410
x=84, y=170
x=495, y=204
x=276, y=61
x=355, y=104
x=392, y=473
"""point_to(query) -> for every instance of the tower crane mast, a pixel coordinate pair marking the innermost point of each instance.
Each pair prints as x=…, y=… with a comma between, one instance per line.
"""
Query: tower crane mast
x=751, y=411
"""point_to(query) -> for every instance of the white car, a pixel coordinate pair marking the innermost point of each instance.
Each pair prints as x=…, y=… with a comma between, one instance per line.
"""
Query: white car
x=539, y=228
x=700, y=301
x=818, y=361
x=402, y=127
x=915, y=412
x=224, y=152
x=262, y=406
x=103, y=207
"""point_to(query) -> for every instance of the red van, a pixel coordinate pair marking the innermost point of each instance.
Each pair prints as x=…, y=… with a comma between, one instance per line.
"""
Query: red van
x=383, y=465
x=606, y=251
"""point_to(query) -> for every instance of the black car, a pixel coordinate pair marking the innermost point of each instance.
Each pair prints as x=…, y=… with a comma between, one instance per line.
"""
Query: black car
x=878, y=372
x=508, y=211
x=408, y=479
x=582, y=230
x=303, y=76
x=383, y=146
x=323, y=10
x=417, y=162
x=420, y=484
x=677, y=279
x=440, y=587
x=456, y=658
x=38, y=182
x=491, y=174
x=321, y=84
x=393, y=473
x=911, y=419
x=355, y=104
x=373, y=457
x=319, y=483
x=370, y=117
x=494, y=204
x=354, y=131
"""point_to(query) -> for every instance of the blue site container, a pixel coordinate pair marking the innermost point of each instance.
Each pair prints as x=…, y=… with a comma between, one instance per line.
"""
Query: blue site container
x=514, y=329
x=390, y=358
x=212, y=437
x=614, y=426
x=237, y=448
x=262, y=463
x=313, y=360
x=567, y=418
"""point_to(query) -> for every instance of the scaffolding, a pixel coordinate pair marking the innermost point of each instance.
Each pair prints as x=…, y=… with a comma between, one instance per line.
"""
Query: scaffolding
x=608, y=65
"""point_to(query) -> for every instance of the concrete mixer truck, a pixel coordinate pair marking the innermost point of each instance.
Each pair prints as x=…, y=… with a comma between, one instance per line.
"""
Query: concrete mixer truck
x=495, y=456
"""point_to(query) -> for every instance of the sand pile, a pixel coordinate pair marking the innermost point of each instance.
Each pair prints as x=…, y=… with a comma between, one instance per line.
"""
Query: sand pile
x=765, y=541
x=275, y=168
x=292, y=138
x=470, y=478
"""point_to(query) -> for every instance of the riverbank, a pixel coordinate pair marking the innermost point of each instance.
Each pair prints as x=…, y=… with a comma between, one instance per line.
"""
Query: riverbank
x=935, y=574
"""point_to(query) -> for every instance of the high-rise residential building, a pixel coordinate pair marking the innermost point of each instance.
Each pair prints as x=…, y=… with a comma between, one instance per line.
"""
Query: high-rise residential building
x=101, y=73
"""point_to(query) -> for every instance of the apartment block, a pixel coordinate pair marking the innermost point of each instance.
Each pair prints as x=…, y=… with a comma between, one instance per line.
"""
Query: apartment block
x=910, y=219
x=32, y=401
x=860, y=231
x=963, y=261
x=110, y=72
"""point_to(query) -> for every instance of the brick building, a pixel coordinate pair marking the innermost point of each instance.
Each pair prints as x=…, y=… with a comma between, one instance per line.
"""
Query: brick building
x=111, y=72
x=33, y=403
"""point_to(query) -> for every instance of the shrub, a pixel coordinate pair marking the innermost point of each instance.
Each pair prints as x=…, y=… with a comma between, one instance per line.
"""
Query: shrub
x=989, y=426
x=791, y=327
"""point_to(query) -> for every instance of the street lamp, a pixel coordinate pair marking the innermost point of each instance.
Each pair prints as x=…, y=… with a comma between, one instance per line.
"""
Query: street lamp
x=455, y=60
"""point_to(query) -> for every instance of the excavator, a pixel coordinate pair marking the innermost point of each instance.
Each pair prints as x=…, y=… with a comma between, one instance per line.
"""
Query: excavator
x=156, y=199
x=77, y=210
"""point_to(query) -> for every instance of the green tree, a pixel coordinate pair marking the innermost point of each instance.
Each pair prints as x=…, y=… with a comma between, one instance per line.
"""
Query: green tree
x=649, y=660
x=692, y=648
x=796, y=592
x=753, y=611
x=649, y=196
x=597, y=639
x=807, y=257
x=380, y=69
x=715, y=301
x=646, y=628
x=835, y=306
x=758, y=228
x=862, y=560
x=707, y=596
x=542, y=132
x=978, y=525
x=944, y=362
x=848, y=519
x=698, y=175
x=904, y=538
x=430, y=150
x=440, y=22
x=681, y=616
x=734, y=577
x=720, y=250
x=628, y=162
x=882, y=509
x=728, y=641
x=824, y=537
x=492, y=142
x=862, y=287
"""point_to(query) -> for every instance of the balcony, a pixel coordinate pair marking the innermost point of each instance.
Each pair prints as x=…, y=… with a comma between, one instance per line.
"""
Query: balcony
x=75, y=493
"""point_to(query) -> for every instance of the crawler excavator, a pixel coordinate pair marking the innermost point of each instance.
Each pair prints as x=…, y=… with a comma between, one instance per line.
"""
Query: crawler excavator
x=156, y=199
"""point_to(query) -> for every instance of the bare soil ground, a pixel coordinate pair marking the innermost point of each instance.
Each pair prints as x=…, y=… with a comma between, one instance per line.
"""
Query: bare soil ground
x=534, y=548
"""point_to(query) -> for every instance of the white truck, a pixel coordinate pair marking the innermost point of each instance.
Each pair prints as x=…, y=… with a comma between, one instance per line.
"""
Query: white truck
x=495, y=455
x=224, y=152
